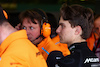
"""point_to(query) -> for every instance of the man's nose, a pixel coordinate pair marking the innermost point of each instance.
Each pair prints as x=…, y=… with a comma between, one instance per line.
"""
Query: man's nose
x=58, y=30
x=28, y=31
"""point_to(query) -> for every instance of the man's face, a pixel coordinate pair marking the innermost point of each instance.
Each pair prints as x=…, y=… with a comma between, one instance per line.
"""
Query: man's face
x=97, y=26
x=33, y=30
x=65, y=31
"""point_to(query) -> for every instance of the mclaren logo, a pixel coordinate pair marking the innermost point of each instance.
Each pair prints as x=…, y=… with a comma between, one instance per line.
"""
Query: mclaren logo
x=89, y=60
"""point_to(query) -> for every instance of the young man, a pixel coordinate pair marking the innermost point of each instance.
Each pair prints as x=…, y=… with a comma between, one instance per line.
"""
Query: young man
x=15, y=48
x=75, y=27
x=34, y=21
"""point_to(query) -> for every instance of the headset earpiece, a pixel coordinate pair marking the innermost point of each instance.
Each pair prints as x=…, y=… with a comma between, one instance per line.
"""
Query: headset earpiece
x=45, y=26
x=46, y=29
x=5, y=14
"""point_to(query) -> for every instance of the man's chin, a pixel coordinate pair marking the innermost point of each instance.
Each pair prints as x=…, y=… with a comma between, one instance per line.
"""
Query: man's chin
x=30, y=39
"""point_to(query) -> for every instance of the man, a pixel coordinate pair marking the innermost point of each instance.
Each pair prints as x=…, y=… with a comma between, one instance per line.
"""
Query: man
x=38, y=30
x=15, y=48
x=75, y=27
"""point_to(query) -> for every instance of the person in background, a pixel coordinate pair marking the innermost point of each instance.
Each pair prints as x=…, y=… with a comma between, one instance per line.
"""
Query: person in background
x=55, y=38
x=13, y=18
x=94, y=40
x=35, y=22
x=15, y=48
x=53, y=22
x=75, y=26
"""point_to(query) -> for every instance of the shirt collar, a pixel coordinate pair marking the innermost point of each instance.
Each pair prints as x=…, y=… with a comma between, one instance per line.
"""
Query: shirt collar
x=77, y=46
x=44, y=42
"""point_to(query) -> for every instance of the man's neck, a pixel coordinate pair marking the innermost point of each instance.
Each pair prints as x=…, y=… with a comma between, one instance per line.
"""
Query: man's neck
x=7, y=29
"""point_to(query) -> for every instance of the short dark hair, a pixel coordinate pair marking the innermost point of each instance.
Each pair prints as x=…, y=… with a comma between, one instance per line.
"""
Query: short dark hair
x=78, y=15
x=96, y=16
x=33, y=14
x=42, y=13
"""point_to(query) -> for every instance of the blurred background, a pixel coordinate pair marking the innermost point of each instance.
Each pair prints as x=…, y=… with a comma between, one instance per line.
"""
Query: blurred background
x=14, y=7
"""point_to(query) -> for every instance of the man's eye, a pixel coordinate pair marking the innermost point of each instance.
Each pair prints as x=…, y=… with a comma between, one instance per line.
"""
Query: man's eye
x=31, y=28
x=24, y=28
x=62, y=26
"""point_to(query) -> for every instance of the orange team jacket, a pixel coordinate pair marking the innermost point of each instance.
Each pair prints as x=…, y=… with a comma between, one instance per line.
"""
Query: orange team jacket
x=63, y=47
x=91, y=40
x=17, y=51
x=47, y=46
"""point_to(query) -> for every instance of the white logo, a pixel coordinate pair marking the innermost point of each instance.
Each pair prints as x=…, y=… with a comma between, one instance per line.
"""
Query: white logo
x=91, y=60
x=95, y=65
x=58, y=57
x=56, y=65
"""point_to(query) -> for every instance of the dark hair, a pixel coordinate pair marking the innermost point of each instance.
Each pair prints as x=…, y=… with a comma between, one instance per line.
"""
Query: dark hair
x=78, y=15
x=96, y=16
x=31, y=15
x=37, y=14
x=52, y=20
x=42, y=13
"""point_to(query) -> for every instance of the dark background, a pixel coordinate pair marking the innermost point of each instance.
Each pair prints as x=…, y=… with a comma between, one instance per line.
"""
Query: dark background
x=14, y=7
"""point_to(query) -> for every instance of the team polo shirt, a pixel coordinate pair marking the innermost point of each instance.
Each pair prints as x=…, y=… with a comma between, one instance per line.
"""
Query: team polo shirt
x=63, y=47
x=81, y=56
x=17, y=51
x=92, y=40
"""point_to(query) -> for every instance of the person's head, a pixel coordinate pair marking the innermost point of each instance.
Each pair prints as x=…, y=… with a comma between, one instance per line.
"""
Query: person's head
x=31, y=21
x=5, y=28
x=53, y=22
x=96, y=28
x=75, y=23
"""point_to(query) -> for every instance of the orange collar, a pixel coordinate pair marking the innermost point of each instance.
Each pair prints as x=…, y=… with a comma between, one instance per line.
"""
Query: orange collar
x=44, y=42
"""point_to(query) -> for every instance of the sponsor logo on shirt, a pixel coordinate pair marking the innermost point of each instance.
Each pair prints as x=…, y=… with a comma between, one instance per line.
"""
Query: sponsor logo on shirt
x=58, y=57
x=15, y=64
x=37, y=54
x=89, y=60
x=95, y=65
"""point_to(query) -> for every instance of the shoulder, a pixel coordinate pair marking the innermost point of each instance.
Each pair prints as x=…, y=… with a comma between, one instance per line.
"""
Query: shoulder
x=52, y=58
x=50, y=45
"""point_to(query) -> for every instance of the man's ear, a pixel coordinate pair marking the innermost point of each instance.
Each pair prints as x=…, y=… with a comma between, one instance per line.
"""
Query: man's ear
x=78, y=30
